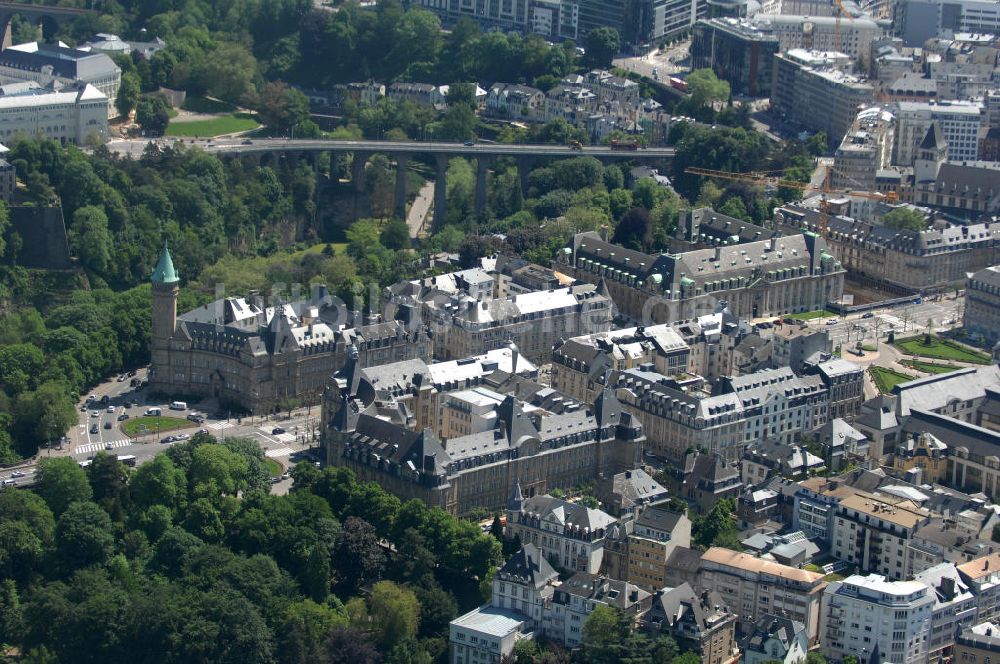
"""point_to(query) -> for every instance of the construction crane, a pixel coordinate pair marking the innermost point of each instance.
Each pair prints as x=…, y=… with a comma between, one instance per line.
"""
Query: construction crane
x=768, y=180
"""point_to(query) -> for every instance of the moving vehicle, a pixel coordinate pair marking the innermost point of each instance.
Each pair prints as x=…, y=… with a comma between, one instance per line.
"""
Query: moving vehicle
x=153, y=412
x=576, y=145
x=469, y=144
x=127, y=459
x=832, y=321
x=276, y=430
x=629, y=146
x=109, y=446
x=678, y=84
x=17, y=473
x=868, y=315
x=93, y=428
x=123, y=417
x=94, y=413
x=111, y=409
x=167, y=440
x=107, y=425
x=182, y=436
x=178, y=405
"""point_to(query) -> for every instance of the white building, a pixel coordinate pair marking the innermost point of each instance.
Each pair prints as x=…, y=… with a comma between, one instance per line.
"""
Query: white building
x=778, y=405
x=862, y=614
x=954, y=608
x=569, y=533
x=821, y=33
x=484, y=635
x=72, y=115
x=959, y=122
x=56, y=63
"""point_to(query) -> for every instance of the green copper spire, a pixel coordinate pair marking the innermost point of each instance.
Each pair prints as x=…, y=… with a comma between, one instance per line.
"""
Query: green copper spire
x=164, y=272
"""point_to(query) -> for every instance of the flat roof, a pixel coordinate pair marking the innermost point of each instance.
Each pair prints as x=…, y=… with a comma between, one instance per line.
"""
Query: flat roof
x=491, y=621
x=899, y=513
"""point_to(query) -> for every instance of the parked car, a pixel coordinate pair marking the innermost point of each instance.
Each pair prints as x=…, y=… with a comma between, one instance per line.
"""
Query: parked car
x=195, y=417
x=168, y=439
x=123, y=417
x=94, y=413
x=276, y=430
x=868, y=314
x=182, y=436
x=111, y=409
x=17, y=473
x=93, y=428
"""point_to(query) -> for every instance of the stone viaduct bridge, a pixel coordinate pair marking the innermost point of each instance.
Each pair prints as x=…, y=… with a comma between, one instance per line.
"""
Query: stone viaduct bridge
x=48, y=17
x=485, y=154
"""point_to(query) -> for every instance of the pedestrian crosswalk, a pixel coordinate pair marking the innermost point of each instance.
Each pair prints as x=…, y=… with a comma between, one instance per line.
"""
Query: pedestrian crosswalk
x=280, y=452
x=286, y=437
x=218, y=426
x=90, y=448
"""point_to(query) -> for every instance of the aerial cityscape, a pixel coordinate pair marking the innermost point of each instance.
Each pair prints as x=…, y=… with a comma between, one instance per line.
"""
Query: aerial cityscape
x=500, y=332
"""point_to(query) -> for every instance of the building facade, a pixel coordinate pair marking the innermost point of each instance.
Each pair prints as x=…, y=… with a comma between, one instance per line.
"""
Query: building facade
x=73, y=115
x=872, y=532
x=793, y=274
x=46, y=64
x=982, y=305
x=567, y=534
x=865, y=615
x=738, y=52
x=959, y=122
x=753, y=587
x=865, y=150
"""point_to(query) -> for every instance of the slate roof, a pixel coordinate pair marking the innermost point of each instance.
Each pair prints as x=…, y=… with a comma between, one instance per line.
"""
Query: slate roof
x=528, y=566
x=936, y=391
x=566, y=512
x=779, y=628
x=612, y=592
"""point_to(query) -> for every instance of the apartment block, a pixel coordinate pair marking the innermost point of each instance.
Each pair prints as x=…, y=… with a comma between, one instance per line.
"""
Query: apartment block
x=959, y=122
x=982, y=576
x=752, y=587
x=865, y=615
x=872, y=531
x=954, y=608
x=655, y=535
x=565, y=532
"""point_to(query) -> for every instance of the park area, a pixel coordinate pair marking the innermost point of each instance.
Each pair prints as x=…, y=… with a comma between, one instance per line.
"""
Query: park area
x=886, y=379
x=929, y=367
x=941, y=349
x=144, y=425
x=218, y=126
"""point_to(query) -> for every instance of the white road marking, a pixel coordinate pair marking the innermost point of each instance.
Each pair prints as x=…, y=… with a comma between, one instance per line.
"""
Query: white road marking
x=96, y=447
x=220, y=425
x=280, y=452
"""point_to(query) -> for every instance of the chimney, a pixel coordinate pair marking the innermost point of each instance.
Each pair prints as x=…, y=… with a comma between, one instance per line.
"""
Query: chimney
x=514, y=354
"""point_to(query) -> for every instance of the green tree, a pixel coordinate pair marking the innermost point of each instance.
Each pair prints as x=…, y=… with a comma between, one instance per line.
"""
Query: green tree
x=281, y=107
x=90, y=239
x=395, y=234
x=395, y=614
x=718, y=527
x=128, y=94
x=61, y=482
x=83, y=535
x=601, y=46
x=304, y=631
x=905, y=218
x=706, y=88
x=152, y=115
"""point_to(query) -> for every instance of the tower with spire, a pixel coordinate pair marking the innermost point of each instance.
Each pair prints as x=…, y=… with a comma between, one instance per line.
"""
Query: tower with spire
x=931, y=154
x=166, y=286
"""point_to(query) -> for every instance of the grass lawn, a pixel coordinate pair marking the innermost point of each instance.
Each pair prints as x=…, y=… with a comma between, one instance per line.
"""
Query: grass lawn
x=811, y=567
x=226, y=124
x=273, y=467
x=339, y=247
x=163, y=423
x=205, y=105
x=829, y=578
x=927, y=367
x=941, y=349
x=811, y=315
x=885, y=379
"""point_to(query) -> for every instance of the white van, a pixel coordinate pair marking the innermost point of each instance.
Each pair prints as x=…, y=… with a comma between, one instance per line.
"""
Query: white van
x=153, y=412
x=179, y=405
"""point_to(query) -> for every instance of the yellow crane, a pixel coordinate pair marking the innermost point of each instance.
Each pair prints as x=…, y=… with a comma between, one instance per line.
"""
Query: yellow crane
x=767, y=179
x=841, y=10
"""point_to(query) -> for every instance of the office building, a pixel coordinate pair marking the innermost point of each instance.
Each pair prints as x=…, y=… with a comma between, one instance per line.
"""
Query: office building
x=820, y=33
x=642, y=22
x=540, y=437
x=982, y=305
x=899, y=260
x=805, y=80
x=920, y=20
x=737, y=51
x=959, y=122
x=61, y=66
x=865, y=150
x=865, y=615
x=769, y=277
x=74, y=115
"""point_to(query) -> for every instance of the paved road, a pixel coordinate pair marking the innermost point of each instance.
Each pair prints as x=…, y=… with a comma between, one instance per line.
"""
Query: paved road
x=299, y=432
x=658, y=64
x=905, y=320
x=135, y=147
x=417, y=215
